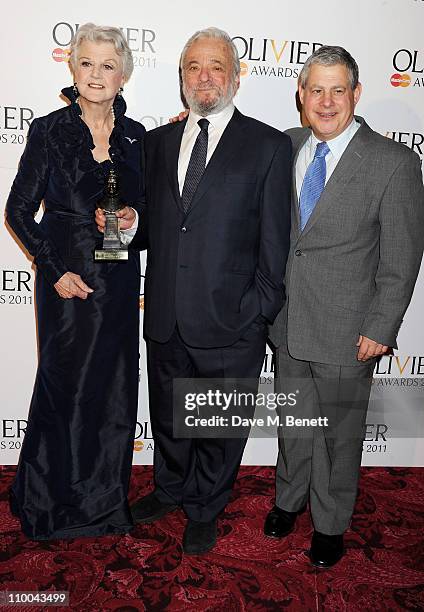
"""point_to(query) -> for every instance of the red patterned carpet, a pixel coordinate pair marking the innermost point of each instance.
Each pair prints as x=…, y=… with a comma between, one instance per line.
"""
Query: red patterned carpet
x=382, y=570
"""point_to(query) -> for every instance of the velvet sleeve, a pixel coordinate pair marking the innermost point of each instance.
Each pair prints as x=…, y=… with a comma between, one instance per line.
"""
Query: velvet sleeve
x=139, y=241
x=24, y=200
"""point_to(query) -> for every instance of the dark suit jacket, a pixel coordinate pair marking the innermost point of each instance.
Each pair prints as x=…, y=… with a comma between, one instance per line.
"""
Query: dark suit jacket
x=216, y=269
x=353, y=268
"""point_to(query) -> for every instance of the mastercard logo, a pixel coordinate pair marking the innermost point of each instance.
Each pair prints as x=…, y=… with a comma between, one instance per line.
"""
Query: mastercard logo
x=138, y=446
x=243, y=69
x=400, y=80
x=141, y=303
x=61, y=55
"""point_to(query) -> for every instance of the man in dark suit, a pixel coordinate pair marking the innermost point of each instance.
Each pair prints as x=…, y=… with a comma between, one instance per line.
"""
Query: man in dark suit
x=216, y=226
x=356, y=246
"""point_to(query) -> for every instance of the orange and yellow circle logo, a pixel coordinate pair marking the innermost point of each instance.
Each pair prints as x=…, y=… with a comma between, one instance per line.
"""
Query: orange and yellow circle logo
x=138, y=446
x=400, y=80
x=61, y=55
x=244, y=69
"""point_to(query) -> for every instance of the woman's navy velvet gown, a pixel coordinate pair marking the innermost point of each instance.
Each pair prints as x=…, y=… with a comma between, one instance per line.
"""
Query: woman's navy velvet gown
x=75, y=463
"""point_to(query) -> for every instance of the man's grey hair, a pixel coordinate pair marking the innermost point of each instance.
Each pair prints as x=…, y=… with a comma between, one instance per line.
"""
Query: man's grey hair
x=220, y=35
x=99, y=34
x=330, y=56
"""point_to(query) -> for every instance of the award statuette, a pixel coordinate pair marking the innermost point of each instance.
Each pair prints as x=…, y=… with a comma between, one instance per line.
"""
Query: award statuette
x=113, y=249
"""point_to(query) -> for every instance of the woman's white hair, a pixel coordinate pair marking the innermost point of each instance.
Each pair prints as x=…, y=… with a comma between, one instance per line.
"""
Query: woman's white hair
x=98, y=34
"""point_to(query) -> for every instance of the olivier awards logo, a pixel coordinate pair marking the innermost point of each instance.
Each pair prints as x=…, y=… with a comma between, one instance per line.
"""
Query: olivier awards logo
x=397, y=389
x=15, y=287
x=151, y=122
x=268, y=366
x=141, y=295
x=270, y=57
x=14, y=124
x=400, y=367
x=409, y=65
x=12, y=432
x=143, y=439
x=141, y=41
x=413, y=140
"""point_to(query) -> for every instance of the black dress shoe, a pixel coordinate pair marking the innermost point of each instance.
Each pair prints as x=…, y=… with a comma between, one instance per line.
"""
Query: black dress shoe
x=150, y=508
x=199, y=537
x=279, y=523
x=326, y=550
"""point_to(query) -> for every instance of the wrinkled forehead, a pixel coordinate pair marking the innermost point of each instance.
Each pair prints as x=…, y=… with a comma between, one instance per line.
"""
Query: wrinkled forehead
x=101, y=50
x=333, y=75
x=210, y=49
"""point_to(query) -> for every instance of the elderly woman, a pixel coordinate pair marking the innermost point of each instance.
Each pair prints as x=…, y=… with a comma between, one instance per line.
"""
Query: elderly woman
x=75, y=463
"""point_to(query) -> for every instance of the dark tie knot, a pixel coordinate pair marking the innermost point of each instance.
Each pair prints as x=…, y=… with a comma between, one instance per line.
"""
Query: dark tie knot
x=203, y=124
x=321, y=150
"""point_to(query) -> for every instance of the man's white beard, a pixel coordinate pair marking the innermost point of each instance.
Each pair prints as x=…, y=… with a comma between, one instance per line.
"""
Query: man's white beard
x=208, y=107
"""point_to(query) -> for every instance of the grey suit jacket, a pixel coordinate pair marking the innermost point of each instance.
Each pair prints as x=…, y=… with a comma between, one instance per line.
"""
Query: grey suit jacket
x=353, y=268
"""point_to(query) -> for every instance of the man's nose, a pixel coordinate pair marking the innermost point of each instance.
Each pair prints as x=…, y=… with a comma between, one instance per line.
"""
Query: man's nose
x=327, y=98
x=204, y=74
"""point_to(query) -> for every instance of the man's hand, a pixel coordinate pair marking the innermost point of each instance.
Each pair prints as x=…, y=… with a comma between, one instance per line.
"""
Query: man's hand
x=369, y=348
x=179, y=117
x=71, y=285
x=126, y=218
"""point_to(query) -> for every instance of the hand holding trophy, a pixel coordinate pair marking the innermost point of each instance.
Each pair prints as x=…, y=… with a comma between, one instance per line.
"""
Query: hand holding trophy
x=113, y=249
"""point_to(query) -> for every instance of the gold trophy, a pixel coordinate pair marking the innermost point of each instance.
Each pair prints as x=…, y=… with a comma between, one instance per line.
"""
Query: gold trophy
x=113, y=249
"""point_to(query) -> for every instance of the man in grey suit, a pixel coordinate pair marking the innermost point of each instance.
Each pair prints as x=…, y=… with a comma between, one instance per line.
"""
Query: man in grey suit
x=356, y=246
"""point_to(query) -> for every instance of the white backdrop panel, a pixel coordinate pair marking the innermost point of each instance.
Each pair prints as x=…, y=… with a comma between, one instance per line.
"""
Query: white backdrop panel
x=273, y=39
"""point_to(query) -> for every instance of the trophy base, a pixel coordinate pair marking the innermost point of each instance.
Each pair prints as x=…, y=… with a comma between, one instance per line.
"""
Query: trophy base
x=111, y=255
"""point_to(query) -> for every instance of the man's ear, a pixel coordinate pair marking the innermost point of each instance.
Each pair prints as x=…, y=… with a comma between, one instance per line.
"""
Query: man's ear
x=357, y=93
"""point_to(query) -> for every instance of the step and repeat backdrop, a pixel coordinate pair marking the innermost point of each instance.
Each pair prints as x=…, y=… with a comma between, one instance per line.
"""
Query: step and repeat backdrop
x=273, y=38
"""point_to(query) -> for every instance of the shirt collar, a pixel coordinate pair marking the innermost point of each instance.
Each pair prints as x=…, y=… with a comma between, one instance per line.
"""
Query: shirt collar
x=338, y=145
x=217, y=120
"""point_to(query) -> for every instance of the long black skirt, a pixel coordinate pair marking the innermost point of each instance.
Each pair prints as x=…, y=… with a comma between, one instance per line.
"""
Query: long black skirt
x=75, y=463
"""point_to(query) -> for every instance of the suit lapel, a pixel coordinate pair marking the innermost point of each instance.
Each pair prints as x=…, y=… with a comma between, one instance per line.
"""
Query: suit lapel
x=230, y=142
x=349, y=163
x=172, y=144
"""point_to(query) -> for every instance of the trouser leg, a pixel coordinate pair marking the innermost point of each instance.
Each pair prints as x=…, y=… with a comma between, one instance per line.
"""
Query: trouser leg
x=217, y=460
x=173, y=457
x=295, y=446
x=337, y=449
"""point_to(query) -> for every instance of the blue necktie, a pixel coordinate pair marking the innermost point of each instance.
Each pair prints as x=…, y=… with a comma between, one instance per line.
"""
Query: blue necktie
x=196, y=165
x=313, y=183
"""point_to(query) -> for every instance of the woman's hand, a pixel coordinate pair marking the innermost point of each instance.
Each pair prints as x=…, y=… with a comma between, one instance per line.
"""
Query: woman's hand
x=179, y=117
x=71, y=285
x=126, y=218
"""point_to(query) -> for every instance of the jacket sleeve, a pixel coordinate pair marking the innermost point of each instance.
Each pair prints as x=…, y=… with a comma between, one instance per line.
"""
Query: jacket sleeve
x=275, y=231
x=401, y=246
x=138, y=204
x=139, y=241
x=24, y=200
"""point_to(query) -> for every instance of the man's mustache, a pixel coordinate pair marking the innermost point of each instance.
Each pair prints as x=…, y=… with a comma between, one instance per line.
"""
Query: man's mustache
x=205, y=88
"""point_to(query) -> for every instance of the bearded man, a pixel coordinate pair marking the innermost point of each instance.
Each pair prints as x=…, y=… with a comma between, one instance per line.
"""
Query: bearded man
x=216, y=226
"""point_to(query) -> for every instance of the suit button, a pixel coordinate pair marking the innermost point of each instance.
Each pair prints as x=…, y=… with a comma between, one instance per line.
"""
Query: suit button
x=298, y=253
x=183, y=229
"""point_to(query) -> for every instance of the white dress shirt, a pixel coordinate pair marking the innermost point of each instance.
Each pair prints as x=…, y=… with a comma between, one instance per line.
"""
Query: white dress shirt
x=216, y=127
x=337, y=147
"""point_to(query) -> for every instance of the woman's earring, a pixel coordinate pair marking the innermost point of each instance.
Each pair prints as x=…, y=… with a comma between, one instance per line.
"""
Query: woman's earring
x=75, y=89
